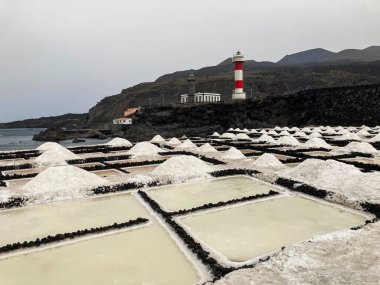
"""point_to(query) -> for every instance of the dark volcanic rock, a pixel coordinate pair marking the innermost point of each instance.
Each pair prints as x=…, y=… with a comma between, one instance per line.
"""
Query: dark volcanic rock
x=355, y=105
x=56, y=134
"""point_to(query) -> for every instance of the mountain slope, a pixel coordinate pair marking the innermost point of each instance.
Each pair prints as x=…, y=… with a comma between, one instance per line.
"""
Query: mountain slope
x=371, y=53
x=262, y=81
x=307, y=56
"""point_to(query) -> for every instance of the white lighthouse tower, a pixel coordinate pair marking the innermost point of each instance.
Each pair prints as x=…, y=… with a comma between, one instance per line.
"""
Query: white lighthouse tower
x=238, y=61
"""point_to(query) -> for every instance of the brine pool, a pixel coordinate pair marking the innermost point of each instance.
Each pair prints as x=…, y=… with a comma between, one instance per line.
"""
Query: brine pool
x=245, y=232
x=148, y=254
x=189, y=195
x=145, y=255
x=30, y=223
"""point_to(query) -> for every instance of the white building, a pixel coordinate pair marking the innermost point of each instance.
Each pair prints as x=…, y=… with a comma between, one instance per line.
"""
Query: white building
x=202, y=97
x=122, y=121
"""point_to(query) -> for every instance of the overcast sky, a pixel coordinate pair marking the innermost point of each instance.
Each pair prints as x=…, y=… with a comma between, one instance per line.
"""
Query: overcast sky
x=59, y=56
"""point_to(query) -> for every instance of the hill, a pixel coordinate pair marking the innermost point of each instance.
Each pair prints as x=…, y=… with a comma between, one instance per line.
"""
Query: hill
x=307, y=56
x=66, y=120
x=260, y=80
x=351, y=105
x=371, y=53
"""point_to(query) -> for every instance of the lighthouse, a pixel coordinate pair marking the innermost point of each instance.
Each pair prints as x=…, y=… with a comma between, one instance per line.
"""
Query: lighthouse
x=238, y=61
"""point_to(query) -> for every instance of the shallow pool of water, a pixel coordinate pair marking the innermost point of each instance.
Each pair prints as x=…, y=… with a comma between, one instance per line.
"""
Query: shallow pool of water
x=185, y=196
x=251, y=230
x=30, y=223
x=141, y=256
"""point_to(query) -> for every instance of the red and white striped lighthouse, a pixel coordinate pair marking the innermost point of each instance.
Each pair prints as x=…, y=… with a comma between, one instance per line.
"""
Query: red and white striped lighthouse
x=238, y=60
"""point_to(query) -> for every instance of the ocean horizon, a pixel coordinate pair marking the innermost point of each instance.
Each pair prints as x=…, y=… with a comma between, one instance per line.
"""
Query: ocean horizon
x=22, y=138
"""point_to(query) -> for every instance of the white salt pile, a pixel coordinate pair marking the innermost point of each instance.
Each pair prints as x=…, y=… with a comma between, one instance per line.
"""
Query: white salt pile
x=301, y=134
x=306, y=130
x=207, y=148
x=246, y=130
x=238, y=130
x=352, y=129
x=54, y=156
x=348, y=137
x=215, y=134
x=243, y=136
x=142, y=149
x=284, y=133
x=253, y=131
x=317, y=129
x=315, y=135
x=315, y=143
x=233, y=153
x=174, y=141
x=285, y=129
x=337, y=177
x=157, y=139
x=329, y=131
x=277, y=128
x=48, y=145
x=228, y=136
x=361, y=147
x=375, y=138
x=119, y=142
x=186, y=144
x=266, y=139
x=183, y=167
x=288, y=141
x=230, y=130
x=272, y=132
x=366, y=128
x=343, y=132
x=61, y=183
x=363, y=133
x=294, y=129
x=268, y=160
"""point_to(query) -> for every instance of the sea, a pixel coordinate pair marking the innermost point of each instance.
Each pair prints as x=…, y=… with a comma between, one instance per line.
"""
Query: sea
x=21, y=139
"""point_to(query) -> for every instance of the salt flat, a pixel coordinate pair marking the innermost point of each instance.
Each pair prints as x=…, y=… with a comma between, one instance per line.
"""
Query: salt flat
x=248, y=231
x=141, y=256
x=185, y=196
x=29, y=223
